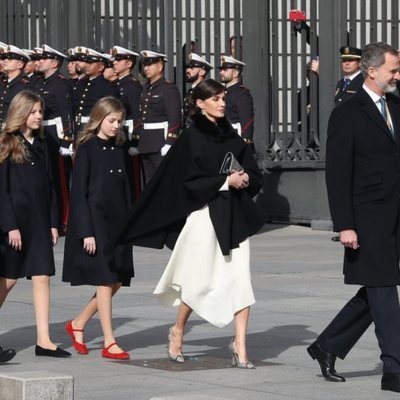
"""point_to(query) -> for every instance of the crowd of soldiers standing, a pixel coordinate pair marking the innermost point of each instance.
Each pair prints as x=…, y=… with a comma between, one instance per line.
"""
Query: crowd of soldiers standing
x=155, y=113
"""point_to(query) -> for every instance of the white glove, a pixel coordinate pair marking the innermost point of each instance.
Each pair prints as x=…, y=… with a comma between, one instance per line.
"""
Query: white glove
x=164, y=149
x=133, y=151
x=66, y=151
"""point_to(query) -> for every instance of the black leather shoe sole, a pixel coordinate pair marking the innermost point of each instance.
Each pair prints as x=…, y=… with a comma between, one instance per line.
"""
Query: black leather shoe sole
x=60, y=353
x=7, y=355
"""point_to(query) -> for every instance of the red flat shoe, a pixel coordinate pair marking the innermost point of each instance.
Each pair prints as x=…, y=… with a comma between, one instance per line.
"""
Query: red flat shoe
x=79, y=347
x=123, y=355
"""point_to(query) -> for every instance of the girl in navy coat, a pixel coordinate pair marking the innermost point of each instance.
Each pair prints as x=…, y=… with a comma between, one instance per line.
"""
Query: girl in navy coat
x=101, y=194
x=28, y=212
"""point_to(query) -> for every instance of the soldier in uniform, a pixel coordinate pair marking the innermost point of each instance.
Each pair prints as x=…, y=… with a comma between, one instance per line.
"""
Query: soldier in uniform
x=13, y=65
x=239, y=102
x=31, y=72
x=160, y=109
x=130, y=91
x=93, y=87
x=109, y=72
x=57, y=124
x=196, y=71
x=353, y=78
x=3, y=78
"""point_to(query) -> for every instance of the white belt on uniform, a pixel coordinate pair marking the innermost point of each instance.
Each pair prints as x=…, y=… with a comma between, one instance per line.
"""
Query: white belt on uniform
x=238, y=127
x=80, y=119
x=59, y=126
x=129, y=124
x=157, y=125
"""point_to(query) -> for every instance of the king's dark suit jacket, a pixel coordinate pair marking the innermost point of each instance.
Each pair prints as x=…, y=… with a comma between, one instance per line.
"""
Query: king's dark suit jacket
x=363, y=182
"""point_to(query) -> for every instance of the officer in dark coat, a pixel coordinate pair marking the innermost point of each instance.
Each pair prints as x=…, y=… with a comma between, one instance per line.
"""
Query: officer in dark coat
x=31, y=73
x=13, y=65
x=197, y=69
x=353, y=78
x=57, y=122
x=93, y=87
x=130, y=91
x=239, y=102
x=363, y=182
x=3, y=77
x=160, y=109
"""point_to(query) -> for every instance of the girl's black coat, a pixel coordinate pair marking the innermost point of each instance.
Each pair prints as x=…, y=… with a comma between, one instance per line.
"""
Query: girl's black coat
x=101, y=194
x=188, y=179
x=28, y=203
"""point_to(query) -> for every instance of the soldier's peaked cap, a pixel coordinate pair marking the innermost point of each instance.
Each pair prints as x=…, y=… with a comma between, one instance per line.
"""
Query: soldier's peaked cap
x=196, y=61
x=350, y=52
x=230, y=62
x=15, y=53
x=152, y=57
x=120, y=53
x=49, y=52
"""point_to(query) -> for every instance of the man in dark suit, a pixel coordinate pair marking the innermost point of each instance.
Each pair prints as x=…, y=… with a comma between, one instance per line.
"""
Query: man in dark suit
x=353, y=78
x=363, y=182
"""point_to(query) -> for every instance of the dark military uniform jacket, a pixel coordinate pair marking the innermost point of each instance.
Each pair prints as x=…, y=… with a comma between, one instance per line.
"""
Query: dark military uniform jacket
x=88, y=92
x=57, y=96
x=344, y=93
x=160, y=104
x=187, y=105
x=7, y=93
x=34, y=80
x=130, y=91
x=240, y=110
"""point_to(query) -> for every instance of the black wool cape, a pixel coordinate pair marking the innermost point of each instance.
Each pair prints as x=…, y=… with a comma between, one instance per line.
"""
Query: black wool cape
x=188, y=179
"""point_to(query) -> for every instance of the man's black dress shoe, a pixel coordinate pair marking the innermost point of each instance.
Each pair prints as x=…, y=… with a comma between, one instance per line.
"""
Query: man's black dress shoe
x=326, y=362
x=391, y=382
x=40, y=351
x=6, y=355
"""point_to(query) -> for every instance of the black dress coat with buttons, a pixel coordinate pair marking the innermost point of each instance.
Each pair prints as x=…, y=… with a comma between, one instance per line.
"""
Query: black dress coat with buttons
x=28, y=203
x=363, y=182
x=101, y=194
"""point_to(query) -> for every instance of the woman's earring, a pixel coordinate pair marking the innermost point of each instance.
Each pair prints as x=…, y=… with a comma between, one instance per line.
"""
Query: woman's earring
x=203, y=111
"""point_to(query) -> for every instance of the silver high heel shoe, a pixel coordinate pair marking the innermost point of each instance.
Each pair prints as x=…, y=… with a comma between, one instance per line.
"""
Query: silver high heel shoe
x=235, y=358
x=173, y=357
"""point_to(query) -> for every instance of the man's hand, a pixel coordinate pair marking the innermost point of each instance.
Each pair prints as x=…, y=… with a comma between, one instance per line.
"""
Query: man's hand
x=349, y=239
x=238, y=180
x=54, y=236
x=164, y=149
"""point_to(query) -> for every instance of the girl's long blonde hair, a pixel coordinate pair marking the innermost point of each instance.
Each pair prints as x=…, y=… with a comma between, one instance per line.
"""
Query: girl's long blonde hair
x=100, y=110
x=11, y=144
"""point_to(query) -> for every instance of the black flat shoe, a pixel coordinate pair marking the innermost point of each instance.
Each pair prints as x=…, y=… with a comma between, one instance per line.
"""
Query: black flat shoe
x=40, y=351
x=6, y=355
x=391, y=382
x=326, y=362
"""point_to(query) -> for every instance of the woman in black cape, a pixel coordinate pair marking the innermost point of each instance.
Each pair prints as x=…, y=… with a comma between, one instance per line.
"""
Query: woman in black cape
x=206, y=217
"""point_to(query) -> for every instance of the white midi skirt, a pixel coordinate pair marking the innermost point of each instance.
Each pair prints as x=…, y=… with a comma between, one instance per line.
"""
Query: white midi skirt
x=213, y=285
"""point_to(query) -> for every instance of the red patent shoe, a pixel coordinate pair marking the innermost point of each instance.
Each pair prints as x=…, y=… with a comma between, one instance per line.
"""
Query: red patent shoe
x=79, y=347
x=123, y=355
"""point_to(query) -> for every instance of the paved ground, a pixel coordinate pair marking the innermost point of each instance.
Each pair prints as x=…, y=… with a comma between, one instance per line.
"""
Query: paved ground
x=299, y=287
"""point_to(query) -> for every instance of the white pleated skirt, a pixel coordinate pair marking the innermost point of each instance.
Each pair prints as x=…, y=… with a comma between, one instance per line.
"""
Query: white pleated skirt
x=213, y=285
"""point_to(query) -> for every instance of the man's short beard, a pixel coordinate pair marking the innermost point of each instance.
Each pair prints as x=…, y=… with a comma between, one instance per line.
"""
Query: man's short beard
x=191, y=79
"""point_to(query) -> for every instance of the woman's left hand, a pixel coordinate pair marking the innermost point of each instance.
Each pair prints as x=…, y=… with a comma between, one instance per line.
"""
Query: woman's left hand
x=238, y=180
x=54, y=236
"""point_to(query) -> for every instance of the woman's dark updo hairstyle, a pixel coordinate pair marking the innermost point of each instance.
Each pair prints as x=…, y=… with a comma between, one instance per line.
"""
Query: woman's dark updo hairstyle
x=203, y=91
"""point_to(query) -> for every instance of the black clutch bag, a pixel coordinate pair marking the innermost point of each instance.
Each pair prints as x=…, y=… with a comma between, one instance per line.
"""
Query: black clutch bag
x=230, y=165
